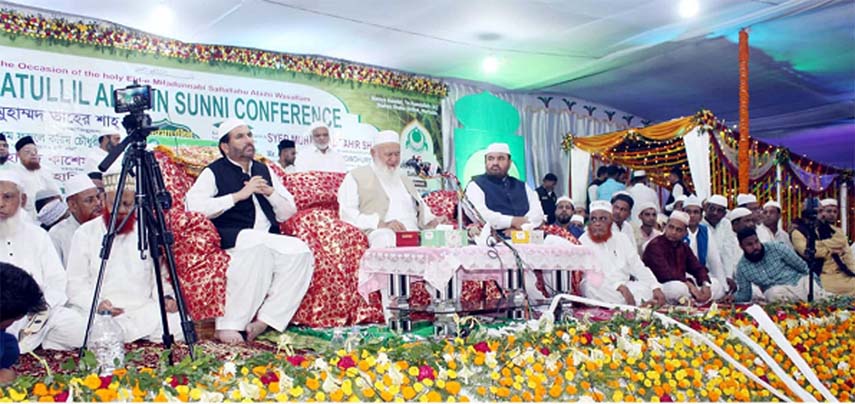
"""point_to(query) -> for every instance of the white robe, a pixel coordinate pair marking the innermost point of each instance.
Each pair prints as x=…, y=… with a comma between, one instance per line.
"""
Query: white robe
x=627, y=231
x=31, y=249
x=128, y=283
x=268, y=273
x=618, y=264
x=33, y=182
x=779, y=235
x=764, y=234
x=640, y=194
x=312, y=159
x=61, y=235
x=717, y=273
x=728, y=245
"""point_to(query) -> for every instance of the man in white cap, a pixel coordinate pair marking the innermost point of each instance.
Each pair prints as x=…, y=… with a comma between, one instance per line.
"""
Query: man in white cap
x=749, y=201
x=675, y=266
x=84, y=204
x=27, y=246
x=52, y=213
x=706, y=249
x=772, y=222
x=620, y=277
x=832, y=249
x=577, y=226
x=676, y=204
x=380, y=199
x=107, y=141
x=564, y=211
x=622, y=205
x=128, y=288
x=647, y=214
x=715, y=218
x=641, y=193
x=34, y=177
x=319, y=156
x=268, y=273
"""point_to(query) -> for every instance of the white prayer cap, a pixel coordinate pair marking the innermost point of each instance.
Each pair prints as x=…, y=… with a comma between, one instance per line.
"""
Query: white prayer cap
x=773, y=204
x=681, y=198
x=577, y=218
x=647, y=205
x=499, y=148
x=315, y=125
x=744, y=199
x=828, y=202
x=605, y=206
x=738, y=213
x=566, y=199
x=47, y=193
x=718, y=200
x=680, y=216
x=226, y=126
x=78, y=184
x=693, y=201
x=52, y=212
x=639, y=173
x=624, y=193
x=10, y=175
x=387, y=136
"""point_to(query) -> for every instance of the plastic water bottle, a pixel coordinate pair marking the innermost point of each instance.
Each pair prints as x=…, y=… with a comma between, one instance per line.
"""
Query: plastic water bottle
x=106, y=341
x=337, y=340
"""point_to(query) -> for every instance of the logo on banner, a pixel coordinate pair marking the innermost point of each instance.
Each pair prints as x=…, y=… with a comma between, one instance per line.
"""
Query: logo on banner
x=169, y=128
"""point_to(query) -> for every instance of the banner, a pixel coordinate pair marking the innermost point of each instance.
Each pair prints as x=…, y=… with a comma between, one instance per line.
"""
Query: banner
x=61, y=94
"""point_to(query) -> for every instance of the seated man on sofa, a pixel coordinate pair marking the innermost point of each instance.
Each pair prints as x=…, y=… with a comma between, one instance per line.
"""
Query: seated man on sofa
x=269, y=273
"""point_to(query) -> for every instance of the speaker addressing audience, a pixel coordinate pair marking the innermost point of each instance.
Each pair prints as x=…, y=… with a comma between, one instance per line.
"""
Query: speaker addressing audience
x=20, y=296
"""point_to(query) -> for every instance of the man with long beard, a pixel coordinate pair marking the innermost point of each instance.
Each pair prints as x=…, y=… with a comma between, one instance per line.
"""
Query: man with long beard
x=776, y=269
x=621, y=277
x=320, y=156
x=34, y=178
x=268, y=273
x=128, y=289
x=674, y=264
x=28, y=246
x=84, y=204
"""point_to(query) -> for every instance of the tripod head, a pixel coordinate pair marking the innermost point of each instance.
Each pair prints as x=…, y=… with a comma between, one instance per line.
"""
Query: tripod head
x=134, y=100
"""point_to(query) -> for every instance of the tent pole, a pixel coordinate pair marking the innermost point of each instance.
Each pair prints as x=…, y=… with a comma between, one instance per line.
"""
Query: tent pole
x=744, y=142
x=844, y=199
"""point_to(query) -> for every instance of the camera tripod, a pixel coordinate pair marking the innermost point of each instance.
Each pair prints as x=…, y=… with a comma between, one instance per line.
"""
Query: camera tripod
x=151, y=200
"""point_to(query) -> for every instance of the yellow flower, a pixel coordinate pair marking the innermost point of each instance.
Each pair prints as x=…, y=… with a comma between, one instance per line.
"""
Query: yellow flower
x=236, y=395
x=413, y=371
x=20, y=396
x=320, y=396
x=93, y=382
x=617, y=396
x=347, y=388
x=244, y=371
x=296, y=391
x=195, y=394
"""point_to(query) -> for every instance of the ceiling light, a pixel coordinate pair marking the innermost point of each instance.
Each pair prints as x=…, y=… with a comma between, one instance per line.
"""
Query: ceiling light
x=689, y=8
x=490, y=64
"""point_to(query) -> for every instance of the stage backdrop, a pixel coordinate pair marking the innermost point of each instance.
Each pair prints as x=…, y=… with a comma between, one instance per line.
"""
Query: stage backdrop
x=61, y=94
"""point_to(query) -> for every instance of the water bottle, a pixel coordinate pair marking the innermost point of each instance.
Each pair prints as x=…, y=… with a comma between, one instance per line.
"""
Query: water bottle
x=107, y=342
x=337, y=340
x=354, y=338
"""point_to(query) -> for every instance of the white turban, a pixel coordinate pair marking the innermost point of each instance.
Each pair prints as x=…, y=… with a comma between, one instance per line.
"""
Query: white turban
x=387, y=136
x=10, y=175
x=718, y=200
x=315, y=125
x=828, y=202
x=605, y=206
x=680, y=216
x=577, y=218
x=744, y=199
x=78, y=184
x=773, y=204
x=738, y=213
x=566, y=199
x=499, y=148
x=226, y=126
x=692, y=201
x=52, y=212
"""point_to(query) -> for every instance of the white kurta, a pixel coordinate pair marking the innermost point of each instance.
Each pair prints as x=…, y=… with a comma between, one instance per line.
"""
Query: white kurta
x=32, y=183
x=641, y=194
x=268, y=273
x=497, y=220
x=779, y=235
x=728, y=245
x=764, y=234
x=61, y=235
x=312, y=159
x=618, y=264
x=627, y=231
x=717, y=273
x=30, y=248
x=128, y=283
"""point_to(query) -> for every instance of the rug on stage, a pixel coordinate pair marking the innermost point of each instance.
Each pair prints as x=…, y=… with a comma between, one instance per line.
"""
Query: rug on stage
x=798, y=352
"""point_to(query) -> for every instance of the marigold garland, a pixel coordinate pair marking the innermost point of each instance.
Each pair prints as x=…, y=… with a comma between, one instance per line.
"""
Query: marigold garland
x=100, y=34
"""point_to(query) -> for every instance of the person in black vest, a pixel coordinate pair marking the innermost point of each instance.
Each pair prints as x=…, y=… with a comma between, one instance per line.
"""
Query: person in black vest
x=507, y=203
x=546, y=193
x=268, y=273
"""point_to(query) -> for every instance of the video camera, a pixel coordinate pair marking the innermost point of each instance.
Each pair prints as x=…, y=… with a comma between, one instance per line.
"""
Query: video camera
x=133, y=98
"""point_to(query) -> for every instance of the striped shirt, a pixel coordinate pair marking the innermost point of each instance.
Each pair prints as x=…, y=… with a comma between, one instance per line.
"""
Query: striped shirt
x=779, y=266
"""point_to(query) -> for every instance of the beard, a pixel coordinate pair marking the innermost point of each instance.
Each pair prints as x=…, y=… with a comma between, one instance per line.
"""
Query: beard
x=384, y=172
x=9, y=226
x=4, y=159
x=563, y=220
x=127, y=228
x=31, y=165
x=758, y=255
x=599, y=239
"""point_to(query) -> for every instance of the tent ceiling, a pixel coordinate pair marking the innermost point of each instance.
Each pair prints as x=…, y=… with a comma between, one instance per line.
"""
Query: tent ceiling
x=638, y=56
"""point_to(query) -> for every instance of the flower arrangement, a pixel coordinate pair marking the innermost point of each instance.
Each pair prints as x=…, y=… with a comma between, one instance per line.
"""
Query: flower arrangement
x=111, y=36
x=627, y=358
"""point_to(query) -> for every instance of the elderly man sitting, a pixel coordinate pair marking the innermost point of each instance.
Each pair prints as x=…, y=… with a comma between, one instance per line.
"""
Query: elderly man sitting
x=621, y=277
x=320, y=156
x=28, y=246
x=672, y=261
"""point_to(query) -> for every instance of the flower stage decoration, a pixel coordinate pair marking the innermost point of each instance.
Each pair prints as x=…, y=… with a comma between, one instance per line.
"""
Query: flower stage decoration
x=117, y=38
x=597, y=355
